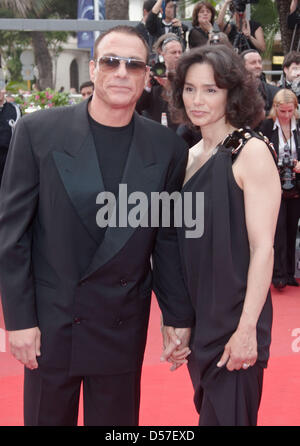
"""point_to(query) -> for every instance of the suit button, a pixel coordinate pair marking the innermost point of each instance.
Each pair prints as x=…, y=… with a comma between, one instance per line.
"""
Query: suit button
x=123, y=282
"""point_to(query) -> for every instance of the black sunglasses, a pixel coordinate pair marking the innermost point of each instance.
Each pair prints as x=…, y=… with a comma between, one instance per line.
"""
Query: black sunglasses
x=110, y=63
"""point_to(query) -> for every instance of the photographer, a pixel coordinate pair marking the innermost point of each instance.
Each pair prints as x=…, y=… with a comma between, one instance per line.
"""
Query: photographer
x=154, y=101
x=282, y=129
x=251, y=32
x=169, y=23
x=291, y=73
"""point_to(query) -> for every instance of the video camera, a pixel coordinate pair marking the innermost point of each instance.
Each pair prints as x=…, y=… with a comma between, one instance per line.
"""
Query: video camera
x=240, y=5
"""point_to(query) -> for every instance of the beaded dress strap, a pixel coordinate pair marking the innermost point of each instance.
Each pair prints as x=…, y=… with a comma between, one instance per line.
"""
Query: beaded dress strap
x=237, y=139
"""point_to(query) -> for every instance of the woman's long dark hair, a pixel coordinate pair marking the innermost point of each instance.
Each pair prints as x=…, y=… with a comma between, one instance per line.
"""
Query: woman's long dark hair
x=244, y=106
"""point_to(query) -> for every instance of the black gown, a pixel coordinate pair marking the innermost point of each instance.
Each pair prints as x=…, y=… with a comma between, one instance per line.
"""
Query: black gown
x=215, y=268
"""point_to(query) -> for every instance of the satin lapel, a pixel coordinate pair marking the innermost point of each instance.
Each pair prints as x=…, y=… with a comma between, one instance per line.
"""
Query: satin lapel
x=141, y=174
x=79, y=170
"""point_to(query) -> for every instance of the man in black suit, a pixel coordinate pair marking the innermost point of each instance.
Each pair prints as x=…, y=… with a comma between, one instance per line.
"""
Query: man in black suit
x=76, y=293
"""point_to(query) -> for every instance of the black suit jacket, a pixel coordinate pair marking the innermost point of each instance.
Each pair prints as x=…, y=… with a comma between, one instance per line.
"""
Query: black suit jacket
x=90, y=301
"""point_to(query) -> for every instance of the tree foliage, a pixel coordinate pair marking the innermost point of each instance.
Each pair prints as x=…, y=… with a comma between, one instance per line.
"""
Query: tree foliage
x=12, y=43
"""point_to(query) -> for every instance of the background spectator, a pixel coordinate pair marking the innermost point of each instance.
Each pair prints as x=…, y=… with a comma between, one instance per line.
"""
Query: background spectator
x=282, y=129
x=154, y=100
x=253, y=64
x=291, y=73
x=203, y=24
x=86, y=89
x=141, y=27
x=9, y=114
x=168, y=23
x=251, y=31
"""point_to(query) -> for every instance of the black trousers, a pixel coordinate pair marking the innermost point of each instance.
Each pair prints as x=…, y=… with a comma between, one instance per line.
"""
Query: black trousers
x=285, y=239
x=51, y=398
x=236, y=401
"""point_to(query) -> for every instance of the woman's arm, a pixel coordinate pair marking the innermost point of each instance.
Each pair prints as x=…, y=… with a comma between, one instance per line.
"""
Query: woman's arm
x=259, y=40
x=293, y=6
x=157, y=7
x=221, y=16
x=256, y=173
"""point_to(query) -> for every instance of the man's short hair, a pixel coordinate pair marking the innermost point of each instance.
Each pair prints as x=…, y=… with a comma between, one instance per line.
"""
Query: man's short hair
x=291, y=57
x=123, y=29
x=148, y=5
x=86, y=84
x=250, y=50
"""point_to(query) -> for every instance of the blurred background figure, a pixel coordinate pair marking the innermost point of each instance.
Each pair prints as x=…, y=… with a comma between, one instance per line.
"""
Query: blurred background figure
x=253, y=64
x=242, y=33
x=154, y=101
x=293, y=19
x=9, y=114
x=169, y=23
x=141, y=27
x=291, y=73
x=203, y=24
x=219, y=38
x=86, y=89
x=282, y=129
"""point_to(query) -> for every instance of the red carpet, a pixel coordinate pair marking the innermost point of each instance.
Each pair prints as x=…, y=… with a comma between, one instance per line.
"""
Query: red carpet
x=167, y=396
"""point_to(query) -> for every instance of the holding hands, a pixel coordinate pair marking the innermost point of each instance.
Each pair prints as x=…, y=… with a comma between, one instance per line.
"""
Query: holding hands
x=176, y=346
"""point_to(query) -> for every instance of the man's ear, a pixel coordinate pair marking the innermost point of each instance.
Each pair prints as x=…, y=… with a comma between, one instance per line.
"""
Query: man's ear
x=92, y=68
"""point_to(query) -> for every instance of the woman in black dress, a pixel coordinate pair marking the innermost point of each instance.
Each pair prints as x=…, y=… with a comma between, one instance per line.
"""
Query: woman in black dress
x=228, y=269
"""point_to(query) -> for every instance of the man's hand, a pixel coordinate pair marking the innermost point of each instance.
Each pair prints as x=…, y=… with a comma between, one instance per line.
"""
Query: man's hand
x=176, y=346
x=177, y=23
x=25, y=346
